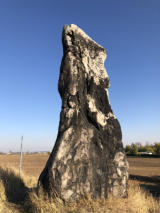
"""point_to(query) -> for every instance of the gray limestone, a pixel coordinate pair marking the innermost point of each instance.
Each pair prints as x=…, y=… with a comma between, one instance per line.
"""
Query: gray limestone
x=88, y=158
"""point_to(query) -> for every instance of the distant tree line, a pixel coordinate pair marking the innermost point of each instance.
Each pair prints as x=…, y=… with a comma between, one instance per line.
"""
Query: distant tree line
x=138, y=148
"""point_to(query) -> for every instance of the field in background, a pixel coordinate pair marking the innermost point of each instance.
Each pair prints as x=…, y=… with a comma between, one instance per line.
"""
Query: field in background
x=34, y=163
x=145, y=170
x=19, y=195
x=144, y=166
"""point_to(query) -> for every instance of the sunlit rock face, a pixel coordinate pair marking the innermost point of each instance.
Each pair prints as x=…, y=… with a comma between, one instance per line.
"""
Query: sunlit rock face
x=88, y=158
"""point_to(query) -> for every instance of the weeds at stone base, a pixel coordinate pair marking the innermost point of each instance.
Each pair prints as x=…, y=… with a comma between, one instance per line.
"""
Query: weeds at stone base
x=18, y=195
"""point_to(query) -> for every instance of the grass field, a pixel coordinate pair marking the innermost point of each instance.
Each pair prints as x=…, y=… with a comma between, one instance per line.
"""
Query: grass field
x=33, y=164
x=18, y=195
x=144, y=166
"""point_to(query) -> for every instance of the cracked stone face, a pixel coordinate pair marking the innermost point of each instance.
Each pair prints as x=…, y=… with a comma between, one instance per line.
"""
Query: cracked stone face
x=88, y=158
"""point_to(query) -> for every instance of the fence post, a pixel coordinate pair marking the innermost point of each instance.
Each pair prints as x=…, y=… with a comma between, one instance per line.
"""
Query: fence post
x=20, y=159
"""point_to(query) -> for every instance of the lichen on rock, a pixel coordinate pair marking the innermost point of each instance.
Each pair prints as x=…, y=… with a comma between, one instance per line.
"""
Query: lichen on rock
x=88, y=158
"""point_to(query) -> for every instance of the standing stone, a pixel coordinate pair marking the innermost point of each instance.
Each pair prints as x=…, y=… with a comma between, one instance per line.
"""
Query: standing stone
x=88, y=158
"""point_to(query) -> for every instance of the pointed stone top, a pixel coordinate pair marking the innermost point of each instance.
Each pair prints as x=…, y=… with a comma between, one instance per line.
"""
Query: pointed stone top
x=69, y=30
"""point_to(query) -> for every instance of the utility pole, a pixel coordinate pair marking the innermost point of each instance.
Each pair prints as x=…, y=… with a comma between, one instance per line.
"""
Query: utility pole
x=20, y=159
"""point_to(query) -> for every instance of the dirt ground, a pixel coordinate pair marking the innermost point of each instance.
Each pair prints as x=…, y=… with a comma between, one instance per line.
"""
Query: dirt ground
x=145, y=170
x=33, y=164
x=144, y=174
x=144, y=166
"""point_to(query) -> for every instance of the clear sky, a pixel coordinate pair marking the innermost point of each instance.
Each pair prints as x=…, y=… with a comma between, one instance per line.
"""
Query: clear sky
x=31, y=53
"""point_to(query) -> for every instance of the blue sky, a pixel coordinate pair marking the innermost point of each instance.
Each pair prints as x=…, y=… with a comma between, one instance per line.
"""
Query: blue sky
x=31, y=53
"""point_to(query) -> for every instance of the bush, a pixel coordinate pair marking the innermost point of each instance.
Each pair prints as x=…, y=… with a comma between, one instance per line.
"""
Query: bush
x=157, y=148
x=132, y=149
x=136, y=148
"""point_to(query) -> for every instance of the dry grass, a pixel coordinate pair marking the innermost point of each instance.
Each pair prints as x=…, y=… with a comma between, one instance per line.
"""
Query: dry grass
x=32, y=165
x=19, y=195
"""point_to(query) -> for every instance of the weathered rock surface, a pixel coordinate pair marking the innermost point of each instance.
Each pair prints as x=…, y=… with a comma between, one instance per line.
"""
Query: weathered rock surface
x=88, y=157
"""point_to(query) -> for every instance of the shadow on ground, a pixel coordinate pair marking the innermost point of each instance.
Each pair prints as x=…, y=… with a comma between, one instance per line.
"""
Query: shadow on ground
x=15, y=190
x=150, y=184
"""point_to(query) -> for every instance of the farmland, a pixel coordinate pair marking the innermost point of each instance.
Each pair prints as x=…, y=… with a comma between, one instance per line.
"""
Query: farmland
x=34, y=163
x=143, y=192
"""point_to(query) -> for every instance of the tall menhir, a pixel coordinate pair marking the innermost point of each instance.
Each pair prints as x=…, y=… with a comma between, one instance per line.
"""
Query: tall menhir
x=88, y=158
